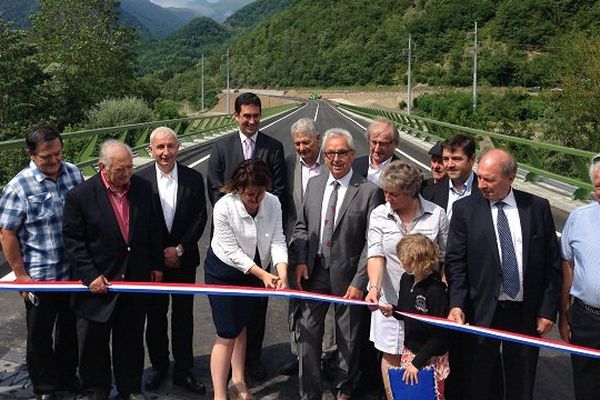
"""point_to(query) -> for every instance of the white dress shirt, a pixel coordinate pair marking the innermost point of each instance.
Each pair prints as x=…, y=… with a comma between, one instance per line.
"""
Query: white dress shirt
x=237, y=235
x=454, y=195
x=167, y=191
x=308, y=171
x=514, y=223
x=344, y=183
x=374, y=172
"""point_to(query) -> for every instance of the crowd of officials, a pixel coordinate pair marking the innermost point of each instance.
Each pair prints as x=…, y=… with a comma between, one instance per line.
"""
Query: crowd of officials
x=461, y=245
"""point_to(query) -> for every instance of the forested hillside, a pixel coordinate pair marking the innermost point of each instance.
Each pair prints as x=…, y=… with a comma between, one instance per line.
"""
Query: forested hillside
x=358, y=42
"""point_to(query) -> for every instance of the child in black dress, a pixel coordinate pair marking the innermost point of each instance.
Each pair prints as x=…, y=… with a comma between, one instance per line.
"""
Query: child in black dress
x=421, y=292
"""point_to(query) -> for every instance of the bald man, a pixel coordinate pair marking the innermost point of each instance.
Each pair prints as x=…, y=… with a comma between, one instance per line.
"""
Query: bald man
x=503, y=271
x=179, y=207
x=110, y=235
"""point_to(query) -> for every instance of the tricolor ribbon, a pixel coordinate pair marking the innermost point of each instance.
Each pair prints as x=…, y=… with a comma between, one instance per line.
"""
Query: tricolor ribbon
x=221, y=290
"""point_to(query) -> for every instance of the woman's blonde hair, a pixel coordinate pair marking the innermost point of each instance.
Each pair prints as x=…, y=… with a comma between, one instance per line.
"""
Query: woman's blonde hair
x=420, y=252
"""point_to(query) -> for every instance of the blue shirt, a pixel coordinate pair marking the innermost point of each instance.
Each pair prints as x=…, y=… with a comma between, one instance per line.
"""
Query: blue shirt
x=454, y=195
x=32, y=206
x=579, y=243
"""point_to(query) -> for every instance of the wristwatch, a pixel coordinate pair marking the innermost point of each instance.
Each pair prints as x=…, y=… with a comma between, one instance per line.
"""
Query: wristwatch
x=179, y=250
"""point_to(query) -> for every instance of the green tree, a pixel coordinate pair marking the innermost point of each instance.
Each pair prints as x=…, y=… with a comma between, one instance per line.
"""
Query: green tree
x=574, y=119
x=85, y=52
x=21, y=102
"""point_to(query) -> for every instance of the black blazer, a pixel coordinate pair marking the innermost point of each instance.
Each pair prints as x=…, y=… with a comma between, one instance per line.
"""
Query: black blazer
x=438, y=193
x=361, y=165
x=190, y=213
x=227, y=154
x=94, y=245
x=473, y=263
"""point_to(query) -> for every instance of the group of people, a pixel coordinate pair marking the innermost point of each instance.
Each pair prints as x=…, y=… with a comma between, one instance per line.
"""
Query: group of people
x=461, y=245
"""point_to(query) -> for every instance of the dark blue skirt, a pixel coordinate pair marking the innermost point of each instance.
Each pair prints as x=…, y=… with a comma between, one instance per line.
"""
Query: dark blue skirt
x=230, y=313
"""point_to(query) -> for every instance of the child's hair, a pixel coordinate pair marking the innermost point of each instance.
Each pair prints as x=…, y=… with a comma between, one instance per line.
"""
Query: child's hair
x=420, y=252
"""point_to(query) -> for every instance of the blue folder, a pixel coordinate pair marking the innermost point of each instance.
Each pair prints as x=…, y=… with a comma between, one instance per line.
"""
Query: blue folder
x=424, y=390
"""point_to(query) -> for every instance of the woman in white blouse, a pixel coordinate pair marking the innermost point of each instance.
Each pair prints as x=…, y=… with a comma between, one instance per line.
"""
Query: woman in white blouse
x=403, y=212
x=247, y=238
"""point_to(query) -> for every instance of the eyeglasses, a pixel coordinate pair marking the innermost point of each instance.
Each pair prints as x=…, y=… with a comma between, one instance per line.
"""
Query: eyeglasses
x=596, y=159
x=341, y=154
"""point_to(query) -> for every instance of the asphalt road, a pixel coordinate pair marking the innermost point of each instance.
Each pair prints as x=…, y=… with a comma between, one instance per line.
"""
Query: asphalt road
x=554, y=372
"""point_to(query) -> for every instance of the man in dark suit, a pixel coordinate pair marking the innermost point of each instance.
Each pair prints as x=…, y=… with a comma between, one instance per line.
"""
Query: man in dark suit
x=383, y=138
x=300, y=166
x=503, y=271
x=436, y=164
x=110, y=235
x=329, y=249
x=225, y=156
x=458, y=158
x=458, y=155
x=180, y=208
x=248, y=142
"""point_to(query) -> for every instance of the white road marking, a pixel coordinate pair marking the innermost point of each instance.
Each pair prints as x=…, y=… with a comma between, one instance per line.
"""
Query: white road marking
x=9, y=277
x=316, y=113
x=192, y=165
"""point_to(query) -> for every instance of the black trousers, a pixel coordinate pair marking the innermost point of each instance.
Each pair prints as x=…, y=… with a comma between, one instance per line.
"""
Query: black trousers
x=508, y=375
x=456, y=383
x=51, y=359
x=585, y=331
x=127, y=328
x=182, y=324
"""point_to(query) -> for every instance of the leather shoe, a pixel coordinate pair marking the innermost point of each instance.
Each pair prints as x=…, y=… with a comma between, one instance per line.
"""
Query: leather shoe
x=290, y=368
x=256, y=371
x=155, y=378
x=46, y=396
x=187, y=380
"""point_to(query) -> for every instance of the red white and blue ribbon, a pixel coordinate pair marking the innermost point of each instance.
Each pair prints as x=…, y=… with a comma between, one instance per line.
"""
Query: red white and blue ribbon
x=219, y=290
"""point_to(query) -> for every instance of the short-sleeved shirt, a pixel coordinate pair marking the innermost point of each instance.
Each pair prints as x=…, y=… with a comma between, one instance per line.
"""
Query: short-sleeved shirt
x=32, y=206
x=579, y=243
x=385, y=231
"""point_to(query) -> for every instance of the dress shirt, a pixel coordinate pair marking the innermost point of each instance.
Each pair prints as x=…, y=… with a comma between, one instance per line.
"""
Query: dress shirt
x=374, y=172
x=308, y=171
x=344, y=183
x=514, y=222
x=120, y=206
x=454, y=195
x=32, y=205
x=579, y=243
x=167, y=192
x=237, y=235
x=386, y=230
x=243, y=139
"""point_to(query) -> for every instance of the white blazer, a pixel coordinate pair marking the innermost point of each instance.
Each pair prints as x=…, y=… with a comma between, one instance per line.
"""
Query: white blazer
x=236, y=234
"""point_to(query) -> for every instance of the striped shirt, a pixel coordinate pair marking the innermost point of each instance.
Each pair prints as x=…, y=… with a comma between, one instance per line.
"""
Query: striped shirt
x=579, y=243
x=32, y=206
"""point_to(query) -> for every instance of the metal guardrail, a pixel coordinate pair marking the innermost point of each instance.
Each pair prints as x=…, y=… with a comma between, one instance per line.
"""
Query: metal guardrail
x=433, y=130
x=81, y=147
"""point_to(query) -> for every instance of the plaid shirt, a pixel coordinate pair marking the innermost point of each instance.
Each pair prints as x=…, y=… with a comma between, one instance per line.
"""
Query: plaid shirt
x=32, y=206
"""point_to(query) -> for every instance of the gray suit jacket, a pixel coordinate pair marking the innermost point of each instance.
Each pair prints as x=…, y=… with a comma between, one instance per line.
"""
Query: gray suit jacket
x=294, y=192
x=348, y=252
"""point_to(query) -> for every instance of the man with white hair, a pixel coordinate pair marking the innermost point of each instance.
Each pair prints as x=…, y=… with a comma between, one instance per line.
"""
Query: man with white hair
x=383, y=138
x=579, y=317
x=329, y=250
x=179, y=208
x=110, y=235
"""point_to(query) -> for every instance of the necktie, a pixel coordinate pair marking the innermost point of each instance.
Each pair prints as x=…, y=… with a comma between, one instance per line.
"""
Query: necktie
x=509, y=266
x=248, y=148
x=329, y=223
